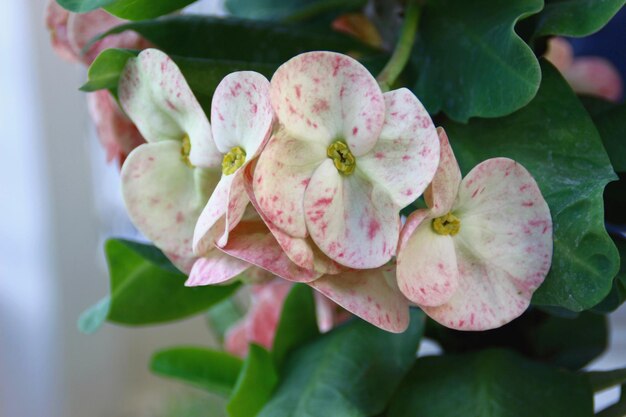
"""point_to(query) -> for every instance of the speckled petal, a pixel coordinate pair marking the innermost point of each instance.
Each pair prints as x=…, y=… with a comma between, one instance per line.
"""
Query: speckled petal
x=504, y=246
x=325, y=96
x=241, y=113
x=183, y=264
x=371, y=295
x=281, y=176
x=156, y=97
x=252, y=242
x=353, y=222
x=405, y=158
x=427, y=271
x=215, y=268
x=442, y=192
x=595, y=76
x=161, y=195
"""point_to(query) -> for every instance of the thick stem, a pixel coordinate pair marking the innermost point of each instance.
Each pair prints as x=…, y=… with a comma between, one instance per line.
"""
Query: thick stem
x=401, y=54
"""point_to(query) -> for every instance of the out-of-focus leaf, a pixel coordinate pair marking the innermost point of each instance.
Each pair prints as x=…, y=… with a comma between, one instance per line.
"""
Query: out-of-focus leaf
x=127, y=9
x=293, y=10
x=575, y=17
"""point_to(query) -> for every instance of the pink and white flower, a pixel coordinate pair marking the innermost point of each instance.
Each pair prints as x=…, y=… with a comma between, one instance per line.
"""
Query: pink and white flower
x=345, y=160
x=473, y=259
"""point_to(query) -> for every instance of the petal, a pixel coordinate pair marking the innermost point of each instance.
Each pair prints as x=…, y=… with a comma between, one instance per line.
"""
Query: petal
x=236, y=339
x=241, y=113
x=162, y=196
x=215, y=267
x=282, y=173
x=252, y=242
x=156, y=97
x=595, y=76
x=371, y=295
x=442, y=193
x=405, y=157
x=325, y=96
x=427, y=271
x=222, y=213
x=353, y=222
x=504, y=246
x=560, y=53
x=183, y=264
x=56, y=22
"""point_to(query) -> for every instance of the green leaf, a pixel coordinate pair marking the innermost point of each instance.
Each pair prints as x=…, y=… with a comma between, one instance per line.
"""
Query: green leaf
x=254, y=385
x=351, y=371
x=490, y=383
x=205, y=368
x=554, y=138
x=298, y=322
x=575, y=17
x=294, y=10
x=223, y=316
x=611, y=125
x=127, y=9
x=617, y=296
x=471, y=63
x=105, y=70
x=601, y=380
x=147, y=289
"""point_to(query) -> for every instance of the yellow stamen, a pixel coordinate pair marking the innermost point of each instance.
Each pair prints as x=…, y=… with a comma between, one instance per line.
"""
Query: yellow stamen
x=233, y=160
x=447, y=224
x=342, y=157
x=185, y=150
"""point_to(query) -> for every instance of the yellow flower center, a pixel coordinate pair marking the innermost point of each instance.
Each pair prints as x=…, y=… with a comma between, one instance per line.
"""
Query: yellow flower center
x=233, y=160
x=447, y=224
x=185, y=149
x=342, y=157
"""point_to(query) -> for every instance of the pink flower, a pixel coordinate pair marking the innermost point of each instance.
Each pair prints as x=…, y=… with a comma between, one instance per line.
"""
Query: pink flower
x=473, y=259
x=587, y=75
x=71, y=33
x=344, y=162
x=117, y=134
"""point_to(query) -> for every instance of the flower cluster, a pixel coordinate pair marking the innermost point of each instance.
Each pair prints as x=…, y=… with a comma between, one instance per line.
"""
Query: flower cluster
x=304, y=176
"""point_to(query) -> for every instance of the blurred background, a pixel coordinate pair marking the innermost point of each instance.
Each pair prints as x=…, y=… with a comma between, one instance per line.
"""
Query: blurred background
x=60, y=200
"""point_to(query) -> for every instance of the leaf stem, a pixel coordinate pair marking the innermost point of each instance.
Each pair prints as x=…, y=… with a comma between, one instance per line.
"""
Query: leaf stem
x=401, y=54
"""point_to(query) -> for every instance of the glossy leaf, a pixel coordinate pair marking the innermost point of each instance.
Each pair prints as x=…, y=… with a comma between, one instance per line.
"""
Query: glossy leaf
x=471, y=63
x=611, y=125
x=298, y=322
x=490, y=383
x=105, y=70
x=554, y=138
x=351, y=371
x=127, y=9
x=617, y=296
x=575, y=17
x=147, y=289
x=254, y=385
x=205, y=368
x=288, y=10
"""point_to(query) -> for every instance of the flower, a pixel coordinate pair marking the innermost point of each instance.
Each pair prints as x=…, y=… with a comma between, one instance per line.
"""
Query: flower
x=344, y=161
x=473, y=259
x=587, y=75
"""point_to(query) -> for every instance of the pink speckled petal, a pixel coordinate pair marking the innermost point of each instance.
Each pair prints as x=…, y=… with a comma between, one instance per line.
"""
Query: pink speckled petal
x=370, y=294
x=325, y=96
x=595, y=76
x=281, y=176
x=183, y=264
x=352, y=221
x=405, y=158
x=56, y=22
x=162, y=195
x=236, y=339
x=215, y=267
x=252, y=242
x=224, y=210
x=241, y=113
x=156, y=97
x=504, y=247
x=442, y=192
x=560, y=53
x=427, y=271
x=302, y=251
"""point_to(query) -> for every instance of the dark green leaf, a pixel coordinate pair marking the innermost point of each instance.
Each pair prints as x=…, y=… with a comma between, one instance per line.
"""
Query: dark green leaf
x=601, y=380
x=205, y=368
x=293, y=10
x=127, y=9
x=575, y=17
x=351, y=371
x=612, y=127
x=223, y=316
x=490, y=383
x=617, y=296
x=469, y=62
x=254, y=385
x=298, y=322
x=147, y=290
x=105, y=71
x=554, y=138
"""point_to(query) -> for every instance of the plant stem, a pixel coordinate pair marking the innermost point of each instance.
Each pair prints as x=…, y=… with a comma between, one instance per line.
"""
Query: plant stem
x=401, y=54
